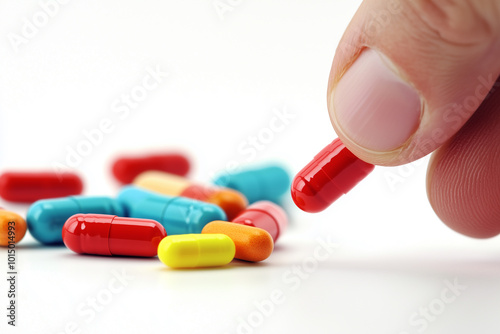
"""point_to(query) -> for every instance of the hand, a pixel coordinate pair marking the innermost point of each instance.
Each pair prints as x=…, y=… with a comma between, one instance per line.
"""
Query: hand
x=412, y=77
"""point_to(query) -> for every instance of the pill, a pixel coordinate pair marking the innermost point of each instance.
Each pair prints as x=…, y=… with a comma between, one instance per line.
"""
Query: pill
x=12, y=227
x=178, y=215
x=126, y=168
x=46, y=218
x=31, y=186
x=251, y=243
x=258, y=183
x=112, y=235
x=333, y=172
x=265, y=215
x=231, y=201
x=196, y=250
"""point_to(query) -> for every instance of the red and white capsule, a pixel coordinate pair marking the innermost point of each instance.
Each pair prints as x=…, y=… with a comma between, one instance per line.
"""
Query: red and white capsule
x=112, y=235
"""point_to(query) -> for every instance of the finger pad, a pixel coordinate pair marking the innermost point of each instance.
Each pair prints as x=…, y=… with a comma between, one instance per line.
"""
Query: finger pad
x=464, y=175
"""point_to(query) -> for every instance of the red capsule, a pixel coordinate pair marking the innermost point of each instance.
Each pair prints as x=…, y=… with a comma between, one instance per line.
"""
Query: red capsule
x=265, y=215
x=332, y=173
x=32, y=186
x=112, y=235
x=125, y=169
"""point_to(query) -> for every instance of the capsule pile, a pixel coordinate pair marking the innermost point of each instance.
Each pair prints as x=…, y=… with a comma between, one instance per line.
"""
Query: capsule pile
x=158, y=212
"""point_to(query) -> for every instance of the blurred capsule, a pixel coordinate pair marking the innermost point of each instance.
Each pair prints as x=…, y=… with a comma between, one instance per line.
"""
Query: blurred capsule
x=12, y=227
x=179, y=215
x=258, y=183
x=231, y=201
x=126, y=168
x=29, y=187
x=111, y=235
x=46, y=218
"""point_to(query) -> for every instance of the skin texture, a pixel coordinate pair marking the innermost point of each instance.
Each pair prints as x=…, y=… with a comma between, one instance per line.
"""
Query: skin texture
x=448, y=52
x=463, y=180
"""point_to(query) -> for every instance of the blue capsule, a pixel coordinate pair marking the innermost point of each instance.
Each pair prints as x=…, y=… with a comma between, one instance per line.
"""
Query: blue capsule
x=266, y=183
x=46, y=218
x=179, y=215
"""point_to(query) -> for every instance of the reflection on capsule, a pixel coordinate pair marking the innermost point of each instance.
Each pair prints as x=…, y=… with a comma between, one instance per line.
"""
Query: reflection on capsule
x=112, y=235
x=46, y=218
x=258, y=183
x=252, y=243
x=333, y=172
x=265, y=215
x=196, y=250
x=126, y=168
x=231, y=201
x=29, y=187
x=179, y=215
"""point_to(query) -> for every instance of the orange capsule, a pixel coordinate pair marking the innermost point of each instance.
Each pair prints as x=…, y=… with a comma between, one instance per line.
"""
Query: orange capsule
x=12, y=227
x=252, y=243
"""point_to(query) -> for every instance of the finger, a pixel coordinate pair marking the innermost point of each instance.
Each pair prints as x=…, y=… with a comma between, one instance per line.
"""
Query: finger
x=408, y=74
x=463, y=179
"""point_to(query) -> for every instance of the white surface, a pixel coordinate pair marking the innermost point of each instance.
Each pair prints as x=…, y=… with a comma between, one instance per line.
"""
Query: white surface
x=393, y=256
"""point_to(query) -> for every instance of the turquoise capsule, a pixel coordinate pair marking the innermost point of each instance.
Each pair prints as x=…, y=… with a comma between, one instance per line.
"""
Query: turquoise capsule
x=265, y=183
x=179, y=215
x=46, y=218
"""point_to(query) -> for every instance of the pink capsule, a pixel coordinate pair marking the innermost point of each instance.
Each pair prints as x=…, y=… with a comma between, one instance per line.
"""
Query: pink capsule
x=265, y=215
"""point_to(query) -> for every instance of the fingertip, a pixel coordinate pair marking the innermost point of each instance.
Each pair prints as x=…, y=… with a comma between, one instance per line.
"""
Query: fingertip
x=463, y=179
x=397, y=91
x=462, y=202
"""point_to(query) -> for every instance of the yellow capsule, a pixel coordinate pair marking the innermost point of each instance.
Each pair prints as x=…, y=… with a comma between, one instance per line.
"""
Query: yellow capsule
x=196, y=250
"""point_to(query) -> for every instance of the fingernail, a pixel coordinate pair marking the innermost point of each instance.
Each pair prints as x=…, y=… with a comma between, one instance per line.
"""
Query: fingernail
x=373, y=106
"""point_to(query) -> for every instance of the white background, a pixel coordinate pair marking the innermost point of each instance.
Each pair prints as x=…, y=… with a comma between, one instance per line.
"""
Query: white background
x=226, y=76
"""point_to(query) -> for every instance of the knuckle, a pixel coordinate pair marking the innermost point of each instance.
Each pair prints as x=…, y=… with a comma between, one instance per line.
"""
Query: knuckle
x=462, y=22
